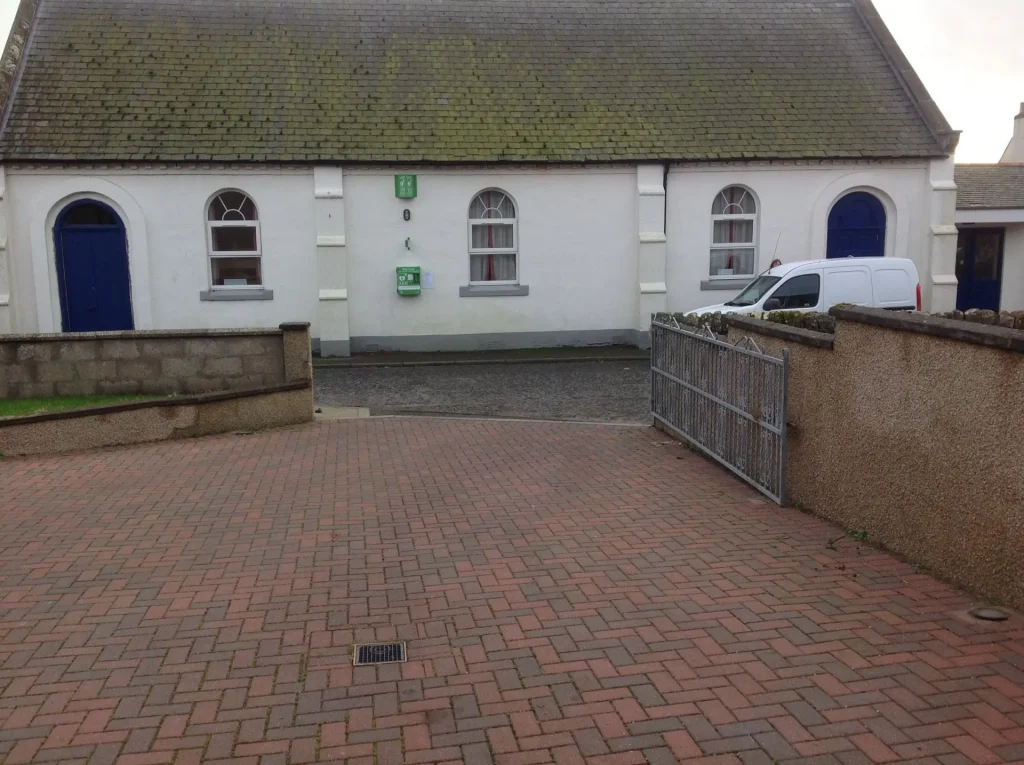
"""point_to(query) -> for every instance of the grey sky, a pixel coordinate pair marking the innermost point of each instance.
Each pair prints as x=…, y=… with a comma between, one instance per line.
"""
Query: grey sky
x=968, y=52
x=971, y=57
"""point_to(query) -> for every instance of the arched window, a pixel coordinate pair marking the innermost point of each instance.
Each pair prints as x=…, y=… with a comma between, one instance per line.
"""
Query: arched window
x=234, y=240
x=733, y=233
x=493, y=239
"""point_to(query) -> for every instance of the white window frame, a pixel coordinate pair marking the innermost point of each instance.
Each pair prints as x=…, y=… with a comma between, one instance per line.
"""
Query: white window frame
x=752, y=245
x=219, y=255
x=513, y=250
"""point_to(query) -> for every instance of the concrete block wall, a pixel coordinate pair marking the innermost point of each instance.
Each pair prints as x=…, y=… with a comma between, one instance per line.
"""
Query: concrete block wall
x=159, y=363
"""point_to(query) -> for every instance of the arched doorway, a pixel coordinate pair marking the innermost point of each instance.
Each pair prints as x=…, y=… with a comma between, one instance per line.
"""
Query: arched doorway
x=856, y=227
x=92, y=268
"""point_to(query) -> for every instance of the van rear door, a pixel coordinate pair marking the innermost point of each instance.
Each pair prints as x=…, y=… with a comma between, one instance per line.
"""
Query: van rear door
x=895, y=288
x=848, y=284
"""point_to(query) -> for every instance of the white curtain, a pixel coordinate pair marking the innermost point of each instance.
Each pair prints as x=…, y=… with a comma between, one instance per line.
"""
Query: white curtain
x=496, y=267
x=493, y=237
x=734, y=232
x=492, y=268
x=737, y=260
x=734, y=262
x=499, y=267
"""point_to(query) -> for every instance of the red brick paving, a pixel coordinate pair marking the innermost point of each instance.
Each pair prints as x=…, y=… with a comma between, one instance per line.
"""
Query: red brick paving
x=570, y=594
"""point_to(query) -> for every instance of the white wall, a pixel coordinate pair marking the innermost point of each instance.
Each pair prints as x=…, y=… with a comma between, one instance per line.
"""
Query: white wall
x=577, y=251
x=794, y=203
x=577, y=247
x=1012, y=297
x=578, y=242
x=163, y=210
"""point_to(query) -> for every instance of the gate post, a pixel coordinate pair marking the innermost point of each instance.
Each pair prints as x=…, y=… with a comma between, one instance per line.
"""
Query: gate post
x=298, y=356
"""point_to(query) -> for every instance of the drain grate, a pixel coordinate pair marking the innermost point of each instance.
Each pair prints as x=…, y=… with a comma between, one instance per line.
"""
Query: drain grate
x=379, y=653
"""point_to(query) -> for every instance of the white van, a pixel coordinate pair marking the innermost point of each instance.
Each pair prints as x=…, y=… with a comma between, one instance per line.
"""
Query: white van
x=817, y=285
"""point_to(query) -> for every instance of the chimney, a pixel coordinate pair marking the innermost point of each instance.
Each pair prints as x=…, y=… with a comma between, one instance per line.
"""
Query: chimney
x=1014, y=153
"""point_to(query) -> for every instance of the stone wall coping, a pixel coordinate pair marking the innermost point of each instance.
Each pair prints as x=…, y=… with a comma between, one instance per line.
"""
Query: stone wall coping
x=139, y=334
x=782, y=331
x=952, y=329
x=189, y=400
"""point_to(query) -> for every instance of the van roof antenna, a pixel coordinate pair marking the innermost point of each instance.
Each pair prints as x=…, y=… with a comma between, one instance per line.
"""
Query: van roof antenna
x=777, y=242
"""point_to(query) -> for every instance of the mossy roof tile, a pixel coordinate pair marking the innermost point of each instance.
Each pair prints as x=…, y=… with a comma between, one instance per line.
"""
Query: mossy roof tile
x=458, y=81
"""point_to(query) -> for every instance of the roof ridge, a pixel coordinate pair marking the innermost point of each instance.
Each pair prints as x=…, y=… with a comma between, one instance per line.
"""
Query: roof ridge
x=945, y=135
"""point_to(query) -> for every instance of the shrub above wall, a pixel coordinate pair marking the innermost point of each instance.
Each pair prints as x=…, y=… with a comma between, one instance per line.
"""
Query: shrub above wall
x=815, y=322
x=719, y=322
x=714, y=321
x=1007, y=319
x=825, y=322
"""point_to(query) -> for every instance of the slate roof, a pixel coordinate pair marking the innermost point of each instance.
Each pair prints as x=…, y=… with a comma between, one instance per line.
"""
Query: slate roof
x=989, y=187
x=459, y=81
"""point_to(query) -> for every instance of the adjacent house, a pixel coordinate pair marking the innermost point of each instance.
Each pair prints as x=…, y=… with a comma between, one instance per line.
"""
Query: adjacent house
x=460, y=174
x=990, y=217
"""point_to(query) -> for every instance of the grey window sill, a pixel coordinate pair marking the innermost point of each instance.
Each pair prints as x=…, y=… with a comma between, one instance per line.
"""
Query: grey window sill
x=731, y=286
x=214, y=295
x=503, y=290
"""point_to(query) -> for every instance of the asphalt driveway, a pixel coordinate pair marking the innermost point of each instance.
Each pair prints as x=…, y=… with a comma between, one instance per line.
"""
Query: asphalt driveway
x=597, y=391
x=568, y=594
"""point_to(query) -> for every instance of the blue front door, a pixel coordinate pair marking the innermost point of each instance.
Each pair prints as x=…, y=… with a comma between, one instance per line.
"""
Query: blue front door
x=856, y=227
x=92, y=269
x=979, y=268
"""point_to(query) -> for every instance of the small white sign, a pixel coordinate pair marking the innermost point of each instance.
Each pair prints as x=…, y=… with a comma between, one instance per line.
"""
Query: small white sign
x=427, y=280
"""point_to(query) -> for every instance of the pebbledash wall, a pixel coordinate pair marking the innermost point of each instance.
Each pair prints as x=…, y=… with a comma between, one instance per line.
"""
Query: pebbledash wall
x=928, y=463
x=600, y=248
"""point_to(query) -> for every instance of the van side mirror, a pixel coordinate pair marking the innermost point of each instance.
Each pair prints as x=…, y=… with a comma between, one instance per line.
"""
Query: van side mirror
x=772, y=304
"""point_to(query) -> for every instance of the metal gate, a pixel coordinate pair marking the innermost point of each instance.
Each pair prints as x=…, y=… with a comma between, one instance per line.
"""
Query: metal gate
x=728, y=400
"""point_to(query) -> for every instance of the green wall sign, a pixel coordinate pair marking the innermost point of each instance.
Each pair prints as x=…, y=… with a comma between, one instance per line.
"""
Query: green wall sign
x=408, y=280
x=405, y=186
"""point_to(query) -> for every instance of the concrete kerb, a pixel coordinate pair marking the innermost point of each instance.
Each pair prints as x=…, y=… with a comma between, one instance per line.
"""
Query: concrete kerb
x=482, y=418
x=347, y=364
x=341, y=412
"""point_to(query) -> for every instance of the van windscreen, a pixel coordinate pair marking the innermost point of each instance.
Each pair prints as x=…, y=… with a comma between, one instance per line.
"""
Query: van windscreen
x=756, y=290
